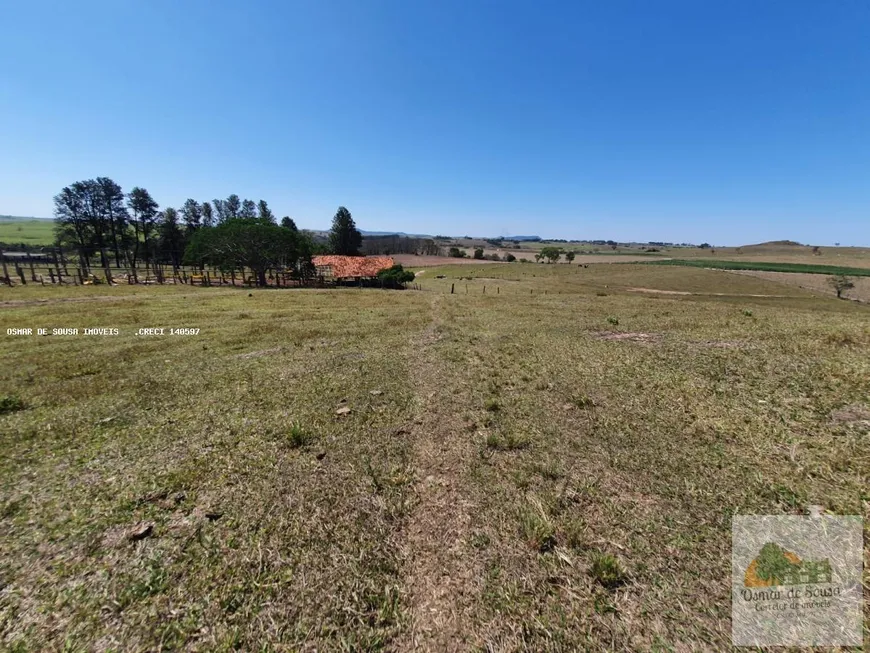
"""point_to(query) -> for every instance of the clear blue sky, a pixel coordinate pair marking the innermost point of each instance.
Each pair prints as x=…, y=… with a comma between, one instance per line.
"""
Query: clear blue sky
x=723, y=121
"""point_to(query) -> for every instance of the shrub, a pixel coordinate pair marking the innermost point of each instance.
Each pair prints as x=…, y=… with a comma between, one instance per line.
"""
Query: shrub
x=478, y=253
x=492, y=405
x=455, y=252
x=613, y=320
x=493, y=257
x=10, y=403
x=510, y=258
x=509, y=442
x=747, y=312
x=298, y=436
x=841, y=283
x=607, y=570
x=583, y=402
x=396, y=275
x=537, y=529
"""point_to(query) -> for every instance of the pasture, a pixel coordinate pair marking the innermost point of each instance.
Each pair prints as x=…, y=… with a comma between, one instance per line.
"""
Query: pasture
x=551, y=464
x=27, y=231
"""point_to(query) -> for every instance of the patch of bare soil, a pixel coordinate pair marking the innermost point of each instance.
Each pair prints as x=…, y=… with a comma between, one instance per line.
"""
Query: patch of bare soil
x=854, y=416
x=441, y=579
x=261, y=352
x=724, y=344
x=659, y=292
x=685, y=292
x=410, y=260
x=629, y=336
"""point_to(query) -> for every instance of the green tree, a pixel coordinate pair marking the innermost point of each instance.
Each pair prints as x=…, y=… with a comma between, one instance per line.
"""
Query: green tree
x=232, y=207
x=72, y=223
x=191, y=212
x=510, y=258
x=569, y=256
x=248, y=210
x=252, y=243
x=478, y=253
x=207, y=215
x=456, y=252
x=841, y=283
x=113, y=212
x=171, y=237
x=395, y=276
x=552, y=254
x=264, y=212
x=287, y=223
x=220, y=210
x=144, y=210
x=344, y=238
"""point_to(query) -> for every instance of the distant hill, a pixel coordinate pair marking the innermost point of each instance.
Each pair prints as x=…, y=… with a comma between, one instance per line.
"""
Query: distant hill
x=19, y=218
x=778, y=243
x=393, y=233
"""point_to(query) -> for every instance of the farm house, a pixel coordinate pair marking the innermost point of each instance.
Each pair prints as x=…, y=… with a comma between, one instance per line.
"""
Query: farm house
x=350, y=268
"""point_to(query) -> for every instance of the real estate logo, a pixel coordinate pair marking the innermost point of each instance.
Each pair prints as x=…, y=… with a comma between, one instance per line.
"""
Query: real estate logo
x=796, y=581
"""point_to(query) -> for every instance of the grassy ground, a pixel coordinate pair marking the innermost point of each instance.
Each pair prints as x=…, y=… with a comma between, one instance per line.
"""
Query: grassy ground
x=550, y=467
x=28, y=232
x=800, y=268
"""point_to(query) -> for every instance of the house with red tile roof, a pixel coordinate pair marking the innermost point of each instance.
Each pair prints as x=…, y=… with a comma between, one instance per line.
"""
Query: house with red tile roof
x=350, y=267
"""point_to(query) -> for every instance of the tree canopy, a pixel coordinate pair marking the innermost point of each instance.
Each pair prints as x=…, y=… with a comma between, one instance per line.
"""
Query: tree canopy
x=344, y=238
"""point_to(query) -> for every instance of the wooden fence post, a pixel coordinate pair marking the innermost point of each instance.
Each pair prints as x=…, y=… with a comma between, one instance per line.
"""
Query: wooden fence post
x=20, y=274
x=32, y=269
x=50, y=273
x=484, y=290
x=451, y=288
x=63, y=262
x=5, y=271
x=56, y=264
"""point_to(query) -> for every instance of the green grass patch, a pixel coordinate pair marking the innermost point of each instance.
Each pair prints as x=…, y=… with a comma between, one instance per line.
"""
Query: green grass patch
x=765, y=267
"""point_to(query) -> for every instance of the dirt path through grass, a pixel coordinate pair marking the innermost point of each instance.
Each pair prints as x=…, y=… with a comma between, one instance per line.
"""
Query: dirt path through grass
x=440, y=578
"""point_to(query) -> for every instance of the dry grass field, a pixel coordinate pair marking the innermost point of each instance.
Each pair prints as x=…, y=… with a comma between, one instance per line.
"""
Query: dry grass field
x=552, y=465
x=816, y=282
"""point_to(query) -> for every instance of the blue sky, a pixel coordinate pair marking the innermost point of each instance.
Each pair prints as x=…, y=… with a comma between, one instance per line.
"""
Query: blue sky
x=729, y=122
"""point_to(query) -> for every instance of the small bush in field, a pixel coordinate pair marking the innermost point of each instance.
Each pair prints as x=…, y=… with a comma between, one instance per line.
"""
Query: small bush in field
x=298, y=436
x=10, y=403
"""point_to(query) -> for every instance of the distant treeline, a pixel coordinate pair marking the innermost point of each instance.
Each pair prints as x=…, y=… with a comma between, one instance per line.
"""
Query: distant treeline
x=98, y=223
x=395, y=244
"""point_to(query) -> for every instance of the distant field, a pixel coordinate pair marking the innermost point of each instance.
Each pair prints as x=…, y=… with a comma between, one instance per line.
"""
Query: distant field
x=28, y=232
x=815, y=282
x=552, y=465
x=803, y=268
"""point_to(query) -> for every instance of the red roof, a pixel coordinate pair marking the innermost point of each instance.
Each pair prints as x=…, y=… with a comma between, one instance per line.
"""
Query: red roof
x=352, y=267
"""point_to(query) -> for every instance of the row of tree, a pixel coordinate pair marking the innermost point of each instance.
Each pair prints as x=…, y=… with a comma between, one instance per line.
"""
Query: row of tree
x=98, y=221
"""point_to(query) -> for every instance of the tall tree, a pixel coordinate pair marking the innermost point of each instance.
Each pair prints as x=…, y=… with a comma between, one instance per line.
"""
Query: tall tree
x=72, y=224
x=171, y=237
x=248, y=210
x=114, y=213
x=220, y=210
x=144, y=210
x=232, y=206
x=264, y=212
x=252, y=243
x=287, y=223
x=344, y=238
x=191, y=212
x=207, y=215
